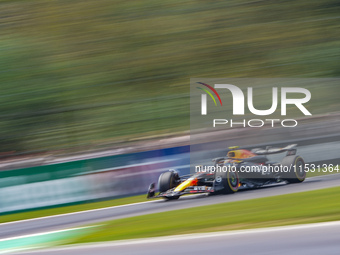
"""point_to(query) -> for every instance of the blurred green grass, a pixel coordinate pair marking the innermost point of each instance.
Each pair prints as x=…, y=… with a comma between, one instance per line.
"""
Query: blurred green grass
x=71, y=208
x=83, y=73
x=305, y=207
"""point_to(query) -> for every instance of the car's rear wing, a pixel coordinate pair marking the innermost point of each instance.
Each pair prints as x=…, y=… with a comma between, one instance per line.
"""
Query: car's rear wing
x=291, y=150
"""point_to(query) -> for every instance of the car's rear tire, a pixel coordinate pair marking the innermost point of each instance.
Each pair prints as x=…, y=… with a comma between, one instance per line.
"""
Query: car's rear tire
x=296, y=166
x=229, y=180
x=167, y=180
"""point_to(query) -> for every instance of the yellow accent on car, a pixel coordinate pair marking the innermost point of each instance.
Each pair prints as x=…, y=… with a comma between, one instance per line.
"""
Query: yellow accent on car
x=234, y=147
x=184, y=184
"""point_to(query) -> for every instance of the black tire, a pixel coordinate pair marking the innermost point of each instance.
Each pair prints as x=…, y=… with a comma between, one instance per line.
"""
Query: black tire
x=229, y=180
x=296, y=166
x=167, y=180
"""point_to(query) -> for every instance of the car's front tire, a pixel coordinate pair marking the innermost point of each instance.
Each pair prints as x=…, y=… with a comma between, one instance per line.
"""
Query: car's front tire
x=229, y=180
x=167, y=180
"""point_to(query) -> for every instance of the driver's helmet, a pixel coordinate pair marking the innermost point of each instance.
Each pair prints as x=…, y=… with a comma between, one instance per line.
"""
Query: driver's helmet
x=231, y=154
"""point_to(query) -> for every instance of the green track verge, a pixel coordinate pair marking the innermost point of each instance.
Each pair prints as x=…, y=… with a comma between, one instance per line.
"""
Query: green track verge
x=305, y=207
x=39, y=240
x=71, y=208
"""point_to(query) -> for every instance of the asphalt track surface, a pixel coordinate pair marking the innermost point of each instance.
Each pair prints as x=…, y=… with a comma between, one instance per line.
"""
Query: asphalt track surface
x=309, y=239
x=51, y=223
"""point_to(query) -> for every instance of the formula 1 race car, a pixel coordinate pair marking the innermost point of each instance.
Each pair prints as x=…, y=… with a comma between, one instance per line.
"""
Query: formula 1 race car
x=241, y=168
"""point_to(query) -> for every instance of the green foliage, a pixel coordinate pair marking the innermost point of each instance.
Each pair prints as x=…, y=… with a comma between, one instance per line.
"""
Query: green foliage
x=78, y=73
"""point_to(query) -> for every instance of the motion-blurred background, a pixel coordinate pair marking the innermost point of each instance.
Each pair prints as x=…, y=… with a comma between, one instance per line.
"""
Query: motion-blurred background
x=79, y=75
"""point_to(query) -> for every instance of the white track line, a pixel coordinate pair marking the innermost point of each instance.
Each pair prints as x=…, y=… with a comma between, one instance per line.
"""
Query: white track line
x=192, y=236
x=44, y=233
x=111, y=207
